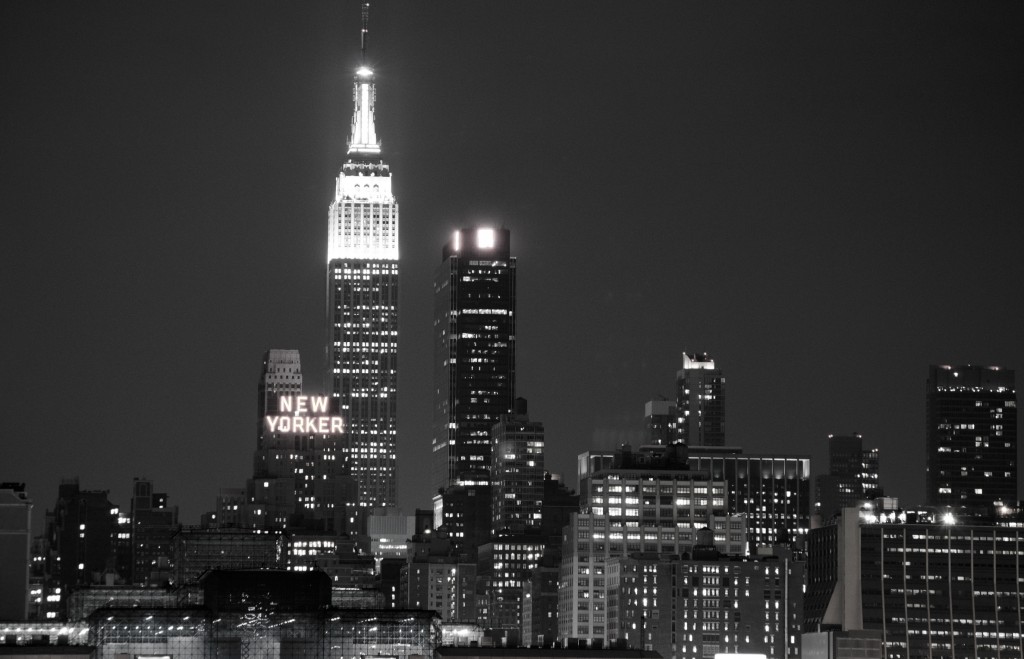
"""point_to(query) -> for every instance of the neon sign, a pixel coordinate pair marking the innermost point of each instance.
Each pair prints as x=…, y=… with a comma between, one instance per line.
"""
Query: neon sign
x=304, y=414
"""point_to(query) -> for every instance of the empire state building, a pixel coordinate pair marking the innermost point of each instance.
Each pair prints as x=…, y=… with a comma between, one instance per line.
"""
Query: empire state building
x=362, y=303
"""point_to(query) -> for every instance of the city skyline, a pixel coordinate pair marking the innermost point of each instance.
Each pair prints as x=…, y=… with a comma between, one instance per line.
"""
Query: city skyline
x=826, y=199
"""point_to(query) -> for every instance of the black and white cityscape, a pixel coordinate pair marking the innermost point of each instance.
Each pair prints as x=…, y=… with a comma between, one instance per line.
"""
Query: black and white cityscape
x=639, y=370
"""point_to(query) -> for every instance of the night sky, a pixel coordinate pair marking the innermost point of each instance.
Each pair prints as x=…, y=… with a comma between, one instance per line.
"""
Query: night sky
x=826, y=197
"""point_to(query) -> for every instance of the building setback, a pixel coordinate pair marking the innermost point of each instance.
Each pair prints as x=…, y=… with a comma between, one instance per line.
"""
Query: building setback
x=362, y=302
x=971, y=416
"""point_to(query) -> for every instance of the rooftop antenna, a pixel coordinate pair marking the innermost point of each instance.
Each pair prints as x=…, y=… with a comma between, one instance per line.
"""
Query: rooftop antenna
x=363, y=33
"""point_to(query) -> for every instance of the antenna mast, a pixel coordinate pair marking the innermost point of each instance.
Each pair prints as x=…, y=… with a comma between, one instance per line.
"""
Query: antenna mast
x=362, y=34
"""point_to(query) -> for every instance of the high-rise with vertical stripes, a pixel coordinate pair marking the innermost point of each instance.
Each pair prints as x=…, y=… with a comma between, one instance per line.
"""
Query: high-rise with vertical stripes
x=362, y=301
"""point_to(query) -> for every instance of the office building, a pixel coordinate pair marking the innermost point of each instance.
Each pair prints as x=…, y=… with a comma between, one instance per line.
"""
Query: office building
x=504, y=565
x=932, y=583
x=517, y=472
x=773, y=492
x=301, y=478
x=852, y=475
x=660, y=419
x=643, y=501
x=362, y=301
x=281, y=376
x=971, y=416
x=700, y=402
x=15, y=551
x=87, y=542
x=438, y=578
x=475, y=355
x=706, y=604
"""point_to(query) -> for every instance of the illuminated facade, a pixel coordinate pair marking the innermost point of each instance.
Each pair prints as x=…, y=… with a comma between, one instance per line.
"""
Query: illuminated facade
x=474, y=369
x=269, y=614
x=706, y=604
x=648, y=501
x=700, y=402
x=300, y=479
x=505, y=565
x=971, y=438
x=773, y=492
x=362, y=304
x=931, y=583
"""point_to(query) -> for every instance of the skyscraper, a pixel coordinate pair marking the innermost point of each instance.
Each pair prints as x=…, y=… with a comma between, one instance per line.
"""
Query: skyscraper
x=362, y=301
x=474, y=368
x=281, y=376
x=517, y=472
x=700, y=402
x=852, y=475
x=971, y=436
x=300, y=477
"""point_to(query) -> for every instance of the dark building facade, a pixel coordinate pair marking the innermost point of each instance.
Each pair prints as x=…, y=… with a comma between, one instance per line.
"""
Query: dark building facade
x=475, y=352
x=153, y=524
x=660, y=419
x=87, y=542
x=700, y=402
x=773, y=492
x=15, y=550
x=971, y=414
x=517, y=473
x=852, y=475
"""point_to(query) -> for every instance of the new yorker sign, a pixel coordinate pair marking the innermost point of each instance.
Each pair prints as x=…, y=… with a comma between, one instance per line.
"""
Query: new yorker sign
x=304, y=414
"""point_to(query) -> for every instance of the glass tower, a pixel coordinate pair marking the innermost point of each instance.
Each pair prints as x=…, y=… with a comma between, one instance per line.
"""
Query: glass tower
x=971, y=436
x=362, y=304
x=475, y=343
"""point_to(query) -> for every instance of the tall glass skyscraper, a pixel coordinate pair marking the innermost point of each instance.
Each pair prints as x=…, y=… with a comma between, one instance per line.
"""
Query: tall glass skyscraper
x=971, y=436
x=475, y=358
x=362, y=303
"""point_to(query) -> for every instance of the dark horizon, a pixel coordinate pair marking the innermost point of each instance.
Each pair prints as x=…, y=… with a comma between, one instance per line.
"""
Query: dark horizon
x=826, y=199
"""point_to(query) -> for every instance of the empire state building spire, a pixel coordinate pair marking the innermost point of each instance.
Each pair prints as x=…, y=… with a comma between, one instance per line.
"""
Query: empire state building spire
x=362, y=301
x=363, y=139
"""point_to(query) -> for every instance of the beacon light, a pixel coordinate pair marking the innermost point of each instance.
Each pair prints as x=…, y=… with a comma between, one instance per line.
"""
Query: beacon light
x=485, y=238
x=364, y=71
